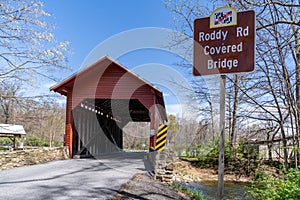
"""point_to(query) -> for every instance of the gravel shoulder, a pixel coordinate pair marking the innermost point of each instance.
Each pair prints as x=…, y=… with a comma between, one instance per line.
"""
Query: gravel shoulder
x=143, y=187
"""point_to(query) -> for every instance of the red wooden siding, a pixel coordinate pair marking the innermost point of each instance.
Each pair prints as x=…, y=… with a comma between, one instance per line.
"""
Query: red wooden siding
x=107, y=79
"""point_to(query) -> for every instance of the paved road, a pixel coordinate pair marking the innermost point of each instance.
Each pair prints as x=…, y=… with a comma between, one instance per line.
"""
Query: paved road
x=71, y=179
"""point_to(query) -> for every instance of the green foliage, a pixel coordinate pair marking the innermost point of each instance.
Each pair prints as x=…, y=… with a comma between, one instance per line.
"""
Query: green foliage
x=208, y=154
x=58, y=143
x=268, y=187
x=195, y=194
x=248, y=151
x=173, y=124
x=38, y=142
x=5, y=141
x=187, y=153
x=241, y=161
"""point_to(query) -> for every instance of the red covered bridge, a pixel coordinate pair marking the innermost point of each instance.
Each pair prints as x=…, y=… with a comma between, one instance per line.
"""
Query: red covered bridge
x=101, y=100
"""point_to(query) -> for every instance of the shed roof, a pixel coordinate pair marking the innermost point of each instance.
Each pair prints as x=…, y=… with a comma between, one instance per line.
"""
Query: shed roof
x=10, y=129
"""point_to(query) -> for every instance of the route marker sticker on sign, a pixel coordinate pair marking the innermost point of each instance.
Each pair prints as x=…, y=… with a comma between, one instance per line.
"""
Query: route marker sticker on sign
x=224, y=16
x=224, y=43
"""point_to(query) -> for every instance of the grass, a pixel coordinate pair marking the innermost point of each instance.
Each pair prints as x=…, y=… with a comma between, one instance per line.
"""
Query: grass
x=185, y=173
x=195, y=194
x=190, y=159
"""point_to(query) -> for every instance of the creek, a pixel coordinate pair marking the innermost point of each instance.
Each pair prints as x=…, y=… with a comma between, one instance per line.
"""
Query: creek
x=232, y=190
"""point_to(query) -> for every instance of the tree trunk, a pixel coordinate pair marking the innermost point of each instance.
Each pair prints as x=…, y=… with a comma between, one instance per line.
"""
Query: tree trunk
x=235, y=104
x=284, y=143
x=298, y=103
x=212, y=123
x=270, y=152
x=270, y=145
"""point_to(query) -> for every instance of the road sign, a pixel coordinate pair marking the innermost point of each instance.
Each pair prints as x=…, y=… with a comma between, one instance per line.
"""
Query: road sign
x=161, y=137
x=224, y=43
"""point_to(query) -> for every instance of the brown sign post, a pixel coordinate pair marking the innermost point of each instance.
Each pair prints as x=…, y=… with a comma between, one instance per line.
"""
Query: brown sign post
x=224, y=49
x=224, y=43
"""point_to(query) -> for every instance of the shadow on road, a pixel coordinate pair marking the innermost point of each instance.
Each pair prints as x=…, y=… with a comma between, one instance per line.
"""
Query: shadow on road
x=99, y=178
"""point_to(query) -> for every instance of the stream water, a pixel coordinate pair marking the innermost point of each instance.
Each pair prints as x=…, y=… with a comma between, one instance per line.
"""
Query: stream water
x=232, y=190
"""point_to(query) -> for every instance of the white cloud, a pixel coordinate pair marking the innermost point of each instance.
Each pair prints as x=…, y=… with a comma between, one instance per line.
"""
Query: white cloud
x=166, y=94
x=174, y=109
x=181, y=111
x=48, y=85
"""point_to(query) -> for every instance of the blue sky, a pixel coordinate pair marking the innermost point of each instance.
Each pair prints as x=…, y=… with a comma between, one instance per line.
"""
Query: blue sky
x=88, y=24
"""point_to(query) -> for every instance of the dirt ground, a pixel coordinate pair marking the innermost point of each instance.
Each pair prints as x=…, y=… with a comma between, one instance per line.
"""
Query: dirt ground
x=143, y=187
x=186, y=171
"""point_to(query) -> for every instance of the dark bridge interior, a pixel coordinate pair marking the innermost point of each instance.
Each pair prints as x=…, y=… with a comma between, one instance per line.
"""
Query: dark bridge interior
x=98, y=124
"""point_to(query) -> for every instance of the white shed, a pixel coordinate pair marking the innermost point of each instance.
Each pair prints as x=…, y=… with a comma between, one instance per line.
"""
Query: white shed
x=12, y=131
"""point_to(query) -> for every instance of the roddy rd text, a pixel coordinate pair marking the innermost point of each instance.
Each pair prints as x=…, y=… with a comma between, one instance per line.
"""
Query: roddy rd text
x=223, y=48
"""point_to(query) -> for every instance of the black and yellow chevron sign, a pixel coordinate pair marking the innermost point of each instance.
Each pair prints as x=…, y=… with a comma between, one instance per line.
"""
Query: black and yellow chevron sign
x=161, y=137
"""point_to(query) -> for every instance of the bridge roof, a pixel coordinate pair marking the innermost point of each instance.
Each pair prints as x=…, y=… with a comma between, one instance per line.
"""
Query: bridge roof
x=107, y=79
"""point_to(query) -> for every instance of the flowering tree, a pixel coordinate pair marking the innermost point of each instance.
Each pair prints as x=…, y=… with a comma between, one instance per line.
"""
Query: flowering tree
x=27, y=46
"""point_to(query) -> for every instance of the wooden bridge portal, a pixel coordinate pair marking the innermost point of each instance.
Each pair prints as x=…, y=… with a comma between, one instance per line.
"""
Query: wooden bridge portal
x=101, y=100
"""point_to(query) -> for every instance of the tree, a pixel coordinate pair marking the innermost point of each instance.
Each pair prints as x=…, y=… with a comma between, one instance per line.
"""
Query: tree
x=272, y=92
x=27, y=46
x=42, y=118
x=136, y=135
x=7, y=100
x=277, y=41
x=48, y=121
x=233, y=115
x=173, y=126
x=29, y=53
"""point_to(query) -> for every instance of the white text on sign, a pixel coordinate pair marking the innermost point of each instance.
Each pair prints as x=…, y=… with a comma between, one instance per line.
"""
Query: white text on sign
x=223, y=48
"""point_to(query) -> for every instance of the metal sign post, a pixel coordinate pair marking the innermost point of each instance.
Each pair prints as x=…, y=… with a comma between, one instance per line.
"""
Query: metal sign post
x=222, y=130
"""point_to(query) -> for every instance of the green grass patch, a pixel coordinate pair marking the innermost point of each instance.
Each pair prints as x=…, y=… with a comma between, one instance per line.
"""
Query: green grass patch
x=188, y=159
x=195, y=194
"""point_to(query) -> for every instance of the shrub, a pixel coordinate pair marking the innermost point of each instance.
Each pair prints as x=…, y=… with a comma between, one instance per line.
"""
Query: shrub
x=247, y=151
x=268, y=187
x=209, y=154
x=38, y=142
x=5, y=141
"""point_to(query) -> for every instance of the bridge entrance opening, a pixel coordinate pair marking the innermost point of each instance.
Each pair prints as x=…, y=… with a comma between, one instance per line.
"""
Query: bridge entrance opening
x=101, y=100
